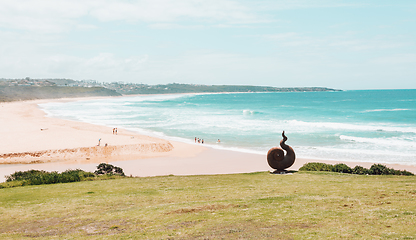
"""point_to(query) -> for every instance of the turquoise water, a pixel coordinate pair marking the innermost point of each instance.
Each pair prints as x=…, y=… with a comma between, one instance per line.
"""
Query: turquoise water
x=365, y=125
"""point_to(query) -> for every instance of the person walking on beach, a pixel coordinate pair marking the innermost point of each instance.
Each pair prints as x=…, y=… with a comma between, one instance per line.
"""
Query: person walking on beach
x=195, y=139
x=202, y=141
x=99, y=141
x=114, y=130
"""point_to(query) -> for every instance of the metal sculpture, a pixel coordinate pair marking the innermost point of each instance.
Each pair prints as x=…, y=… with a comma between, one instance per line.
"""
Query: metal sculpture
x=276, y=156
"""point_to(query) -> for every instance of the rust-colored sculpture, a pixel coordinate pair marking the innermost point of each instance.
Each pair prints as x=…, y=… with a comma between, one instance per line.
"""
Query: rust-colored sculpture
x=277, y=159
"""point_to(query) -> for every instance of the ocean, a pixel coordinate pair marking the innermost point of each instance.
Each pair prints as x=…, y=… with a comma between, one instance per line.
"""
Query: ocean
x=377, y=126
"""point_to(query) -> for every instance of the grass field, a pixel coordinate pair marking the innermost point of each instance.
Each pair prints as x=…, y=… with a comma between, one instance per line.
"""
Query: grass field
x=302, y=205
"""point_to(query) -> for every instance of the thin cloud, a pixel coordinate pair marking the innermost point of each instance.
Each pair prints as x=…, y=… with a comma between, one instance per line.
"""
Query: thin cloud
x=40, y=15
x=63, y=15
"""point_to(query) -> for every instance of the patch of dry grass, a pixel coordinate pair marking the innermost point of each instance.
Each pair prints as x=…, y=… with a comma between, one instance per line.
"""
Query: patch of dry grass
x=238, y=206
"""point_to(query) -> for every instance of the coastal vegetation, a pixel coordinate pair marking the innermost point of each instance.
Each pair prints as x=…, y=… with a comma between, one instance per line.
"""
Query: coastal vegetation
x=375, y=169
x=29, y=89
x=316, y=205
x=40, y=177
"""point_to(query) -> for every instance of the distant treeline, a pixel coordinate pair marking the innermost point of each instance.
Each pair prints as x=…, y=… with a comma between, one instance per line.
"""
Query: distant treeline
x=20, y=93
x=28, y=89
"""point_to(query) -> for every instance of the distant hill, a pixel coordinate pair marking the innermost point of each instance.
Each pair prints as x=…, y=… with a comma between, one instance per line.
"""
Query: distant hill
x=193, y=88
x=20, y=93
x=28, y=89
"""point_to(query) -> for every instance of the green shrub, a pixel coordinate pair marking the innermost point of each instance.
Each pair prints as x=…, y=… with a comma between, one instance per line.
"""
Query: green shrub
x=315, y=166
x=341, y=168
x=360, y=170
x=104, y=169
x=45, y=178
x=76, y=175
x=406, y=173
x=26, y=175
x=379, y=169
x=376, y=169
x=36, y=177
x=11, y=184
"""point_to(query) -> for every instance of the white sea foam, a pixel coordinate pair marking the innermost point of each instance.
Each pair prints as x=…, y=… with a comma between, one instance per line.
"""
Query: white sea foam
x=248, y=112
x=352, y=127
x=381, y=141
x=387, y=110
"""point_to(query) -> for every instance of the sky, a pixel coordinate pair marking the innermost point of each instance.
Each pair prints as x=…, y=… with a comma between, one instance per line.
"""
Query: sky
x=351, y=44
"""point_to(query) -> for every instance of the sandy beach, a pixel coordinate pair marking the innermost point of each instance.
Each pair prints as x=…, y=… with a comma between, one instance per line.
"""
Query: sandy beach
x=31, y=140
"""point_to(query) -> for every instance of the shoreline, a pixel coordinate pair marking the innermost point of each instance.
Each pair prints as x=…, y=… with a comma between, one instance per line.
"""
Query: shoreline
x=29, y=136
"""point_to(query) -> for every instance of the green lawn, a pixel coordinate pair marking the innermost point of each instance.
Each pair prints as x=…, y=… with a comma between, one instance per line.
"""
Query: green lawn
x=302, y=205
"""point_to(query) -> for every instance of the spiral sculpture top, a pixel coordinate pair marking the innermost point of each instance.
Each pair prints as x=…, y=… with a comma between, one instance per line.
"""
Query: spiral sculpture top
x=276, y=156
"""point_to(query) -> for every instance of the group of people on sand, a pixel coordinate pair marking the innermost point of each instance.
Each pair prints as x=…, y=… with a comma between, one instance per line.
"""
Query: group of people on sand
x=198, y=140
x=99, y=143
x=99, y=140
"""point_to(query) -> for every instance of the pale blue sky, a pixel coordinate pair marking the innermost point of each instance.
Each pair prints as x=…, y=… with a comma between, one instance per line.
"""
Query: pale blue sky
x=329, y=43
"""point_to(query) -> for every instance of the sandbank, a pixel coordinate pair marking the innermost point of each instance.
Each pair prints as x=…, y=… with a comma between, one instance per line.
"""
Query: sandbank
x=31, y=140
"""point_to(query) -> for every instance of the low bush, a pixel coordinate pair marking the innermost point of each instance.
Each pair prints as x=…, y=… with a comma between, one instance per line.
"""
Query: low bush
x=378, y=169
x=21, y=176
x=375, y=169
x=104, y=168
x=360, y=170
x=405, y=173
x=38, y=177
x=341, y=168
x=316, y=166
